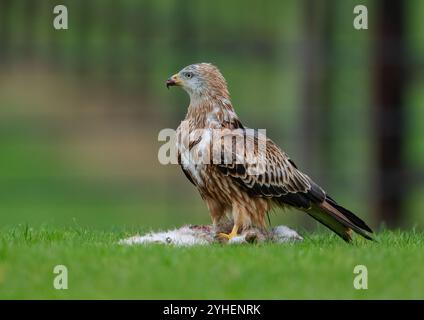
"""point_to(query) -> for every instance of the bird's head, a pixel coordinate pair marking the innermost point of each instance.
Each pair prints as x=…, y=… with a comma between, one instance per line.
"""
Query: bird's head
x=200, y=80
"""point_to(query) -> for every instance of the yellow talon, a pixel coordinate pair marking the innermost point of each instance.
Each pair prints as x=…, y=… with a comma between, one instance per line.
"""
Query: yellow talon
x=229, y=236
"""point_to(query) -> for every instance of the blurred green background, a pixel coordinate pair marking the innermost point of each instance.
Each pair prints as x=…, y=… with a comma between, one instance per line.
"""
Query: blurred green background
x=80, y=109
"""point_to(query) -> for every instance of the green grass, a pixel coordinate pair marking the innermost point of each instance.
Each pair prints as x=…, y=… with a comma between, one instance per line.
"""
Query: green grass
x=320, y=267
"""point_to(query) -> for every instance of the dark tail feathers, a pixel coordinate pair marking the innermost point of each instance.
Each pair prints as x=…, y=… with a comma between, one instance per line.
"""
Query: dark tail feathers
x=340, y=220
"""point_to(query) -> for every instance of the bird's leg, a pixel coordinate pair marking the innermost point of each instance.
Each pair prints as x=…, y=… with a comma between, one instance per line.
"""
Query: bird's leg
x=230, y=235
x=239, y=222
x=217, y=212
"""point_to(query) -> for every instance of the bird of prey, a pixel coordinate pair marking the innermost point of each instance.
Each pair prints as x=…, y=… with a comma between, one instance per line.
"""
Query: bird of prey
x=230, y=186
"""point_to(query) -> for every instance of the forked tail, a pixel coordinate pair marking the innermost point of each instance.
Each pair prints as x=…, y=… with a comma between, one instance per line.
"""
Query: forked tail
x=339, y=219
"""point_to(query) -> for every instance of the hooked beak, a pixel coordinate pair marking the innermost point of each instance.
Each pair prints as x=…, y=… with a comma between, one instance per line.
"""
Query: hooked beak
x=173, y=81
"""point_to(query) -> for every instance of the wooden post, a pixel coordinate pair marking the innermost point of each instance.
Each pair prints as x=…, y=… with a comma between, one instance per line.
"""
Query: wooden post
x=389, y=84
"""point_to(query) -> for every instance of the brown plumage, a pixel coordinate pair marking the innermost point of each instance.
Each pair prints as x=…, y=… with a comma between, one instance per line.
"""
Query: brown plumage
x=232, y=186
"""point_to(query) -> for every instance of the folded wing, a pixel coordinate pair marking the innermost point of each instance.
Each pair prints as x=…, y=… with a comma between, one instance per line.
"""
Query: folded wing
x=260, y=168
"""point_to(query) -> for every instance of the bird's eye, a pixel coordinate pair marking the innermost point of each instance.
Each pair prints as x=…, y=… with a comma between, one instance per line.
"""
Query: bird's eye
x=189, y=75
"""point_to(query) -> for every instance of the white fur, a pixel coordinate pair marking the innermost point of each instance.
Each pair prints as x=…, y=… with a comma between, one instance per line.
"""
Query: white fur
x=284, y=234
x=191, y=235
x=184, y=236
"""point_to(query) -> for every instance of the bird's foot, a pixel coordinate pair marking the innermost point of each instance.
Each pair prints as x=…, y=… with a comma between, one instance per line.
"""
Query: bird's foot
x=226, y=237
